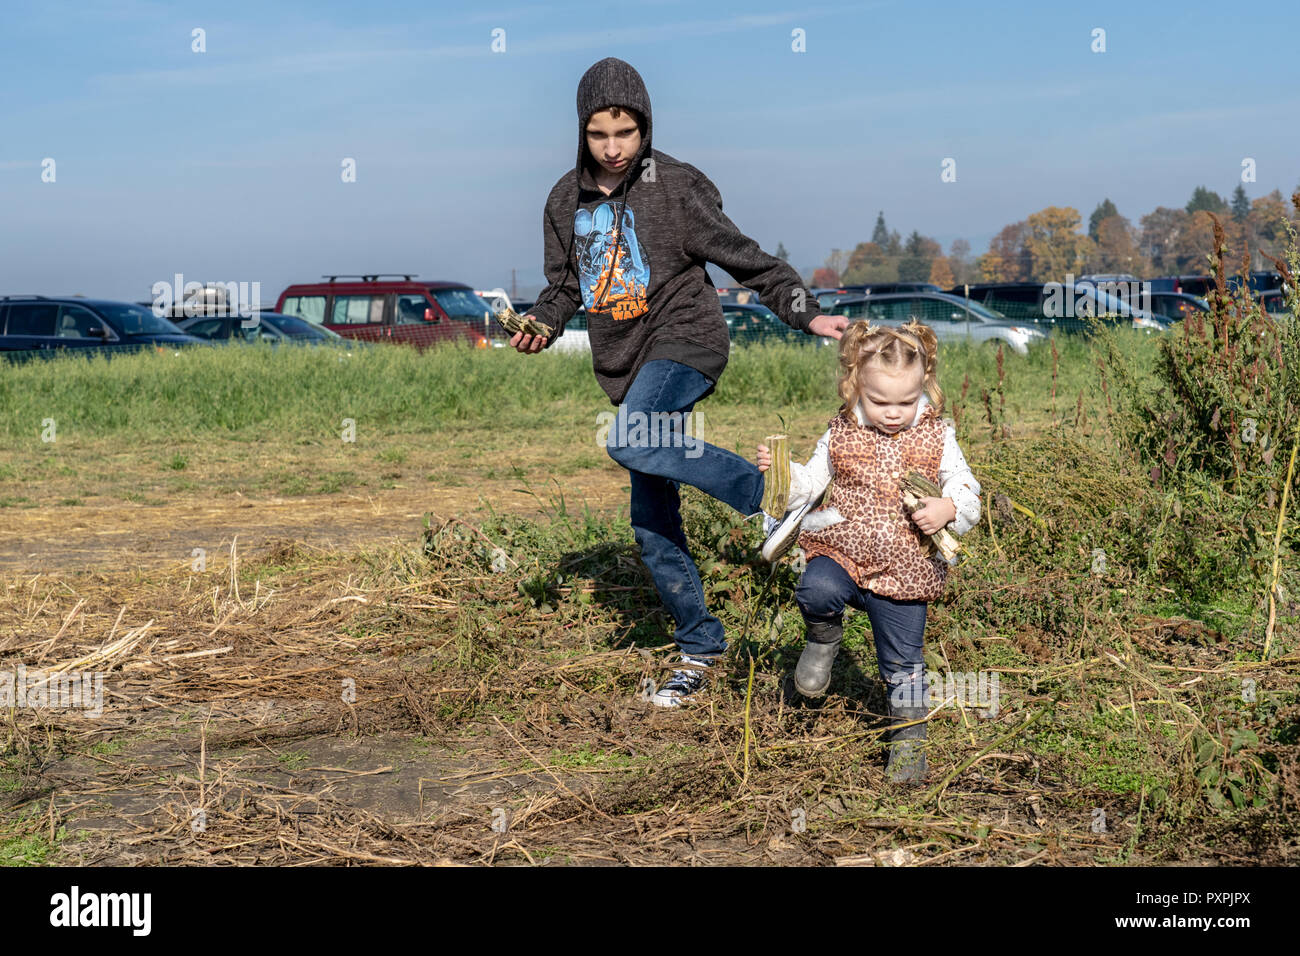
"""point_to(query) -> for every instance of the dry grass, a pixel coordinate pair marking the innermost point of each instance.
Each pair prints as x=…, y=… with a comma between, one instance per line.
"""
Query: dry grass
x=487, y=700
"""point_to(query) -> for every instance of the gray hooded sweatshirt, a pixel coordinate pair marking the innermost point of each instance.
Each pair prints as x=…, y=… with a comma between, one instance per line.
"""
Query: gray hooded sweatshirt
x=635, y=259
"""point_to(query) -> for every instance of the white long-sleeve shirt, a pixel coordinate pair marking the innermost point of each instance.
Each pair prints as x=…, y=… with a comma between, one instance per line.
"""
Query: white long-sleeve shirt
x=955, y=478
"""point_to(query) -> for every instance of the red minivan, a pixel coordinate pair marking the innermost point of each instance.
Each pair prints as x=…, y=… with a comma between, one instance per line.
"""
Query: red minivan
x=391, y=308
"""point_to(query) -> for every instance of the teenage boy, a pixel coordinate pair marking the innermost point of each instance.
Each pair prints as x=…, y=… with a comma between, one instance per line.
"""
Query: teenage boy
x=627, y=234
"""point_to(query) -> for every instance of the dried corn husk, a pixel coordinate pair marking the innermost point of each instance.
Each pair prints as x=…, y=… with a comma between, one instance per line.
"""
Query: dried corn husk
x=776, y=490
x=513, y=322
x=915, y=487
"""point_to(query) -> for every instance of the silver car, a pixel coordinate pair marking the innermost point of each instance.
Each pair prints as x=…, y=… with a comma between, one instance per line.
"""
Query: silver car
x=951, y=317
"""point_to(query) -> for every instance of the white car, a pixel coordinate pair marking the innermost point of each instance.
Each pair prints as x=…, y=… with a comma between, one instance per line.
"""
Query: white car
x=495, y=298
x=574, y=338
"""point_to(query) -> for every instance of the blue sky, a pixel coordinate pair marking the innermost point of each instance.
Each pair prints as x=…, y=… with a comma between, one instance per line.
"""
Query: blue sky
x=225, y=165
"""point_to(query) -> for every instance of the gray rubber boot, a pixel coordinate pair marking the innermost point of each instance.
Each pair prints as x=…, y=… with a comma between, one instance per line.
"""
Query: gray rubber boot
x=907, y=746
x=813, y=673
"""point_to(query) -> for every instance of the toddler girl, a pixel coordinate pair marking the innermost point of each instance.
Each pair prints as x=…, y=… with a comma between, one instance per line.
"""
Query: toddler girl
x=862, y=547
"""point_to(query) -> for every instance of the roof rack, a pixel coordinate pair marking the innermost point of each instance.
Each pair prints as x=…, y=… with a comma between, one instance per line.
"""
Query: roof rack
x=6, y=298
x=372, y=277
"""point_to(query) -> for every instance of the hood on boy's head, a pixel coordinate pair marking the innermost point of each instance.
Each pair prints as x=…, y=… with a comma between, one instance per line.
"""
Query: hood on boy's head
x=612, y=82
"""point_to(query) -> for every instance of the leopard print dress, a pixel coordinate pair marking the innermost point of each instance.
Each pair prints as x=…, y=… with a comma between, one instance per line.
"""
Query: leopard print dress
x=878, y=544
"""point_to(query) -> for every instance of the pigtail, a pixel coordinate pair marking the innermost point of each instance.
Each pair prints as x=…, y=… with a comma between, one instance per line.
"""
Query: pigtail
x=930, y=344
x=852, y=355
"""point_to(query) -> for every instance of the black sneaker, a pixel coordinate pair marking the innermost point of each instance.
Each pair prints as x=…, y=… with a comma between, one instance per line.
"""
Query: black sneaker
x=685, y=683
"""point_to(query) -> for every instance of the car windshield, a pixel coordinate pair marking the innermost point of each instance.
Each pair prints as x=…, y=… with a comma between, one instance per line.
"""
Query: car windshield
x=756, y=313
x=983, y=311
x=137, y=320
x=462, y=303
x=297, y=328
x=1103, y=301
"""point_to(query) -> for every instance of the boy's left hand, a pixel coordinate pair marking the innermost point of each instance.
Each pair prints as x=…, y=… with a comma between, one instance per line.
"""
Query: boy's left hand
x=934, y=513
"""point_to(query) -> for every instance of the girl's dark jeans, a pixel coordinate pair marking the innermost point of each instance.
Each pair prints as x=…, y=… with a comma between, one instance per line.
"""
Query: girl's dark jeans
x=897, y=626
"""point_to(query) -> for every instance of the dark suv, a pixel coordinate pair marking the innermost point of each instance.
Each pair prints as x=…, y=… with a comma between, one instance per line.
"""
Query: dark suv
x=1200, y=285
x=1039, y=303
x=40, y=324
x=384, y=308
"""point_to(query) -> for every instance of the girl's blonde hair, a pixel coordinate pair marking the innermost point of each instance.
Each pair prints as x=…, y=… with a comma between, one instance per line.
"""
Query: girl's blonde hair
x=909, y=346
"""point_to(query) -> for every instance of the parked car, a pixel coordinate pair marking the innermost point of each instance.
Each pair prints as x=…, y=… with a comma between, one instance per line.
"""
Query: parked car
x=1176, y=306
x=51, y=324
x=1274, y=302
x=1198, y=285
x=828, y=298
x=400, y=309
x=1035, y=302
x=575, y=337
x=1109, y=277
x=272, y=327
x=1260, y=281
x=758, y=323
x=737, y=295
x=951, y=317
x=496, y=299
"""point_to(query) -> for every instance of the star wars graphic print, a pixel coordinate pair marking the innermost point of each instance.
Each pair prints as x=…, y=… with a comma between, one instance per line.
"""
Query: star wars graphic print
x=613, y=281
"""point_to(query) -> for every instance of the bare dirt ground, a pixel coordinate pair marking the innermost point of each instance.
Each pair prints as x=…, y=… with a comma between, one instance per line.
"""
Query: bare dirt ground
x=99, y=503
x=55, y=537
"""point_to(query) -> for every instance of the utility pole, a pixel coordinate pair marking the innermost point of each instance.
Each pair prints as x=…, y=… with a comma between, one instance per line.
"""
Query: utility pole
x=514, y=291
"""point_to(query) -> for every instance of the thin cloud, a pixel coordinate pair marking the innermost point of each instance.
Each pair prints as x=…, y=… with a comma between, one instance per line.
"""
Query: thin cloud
x=519, y=42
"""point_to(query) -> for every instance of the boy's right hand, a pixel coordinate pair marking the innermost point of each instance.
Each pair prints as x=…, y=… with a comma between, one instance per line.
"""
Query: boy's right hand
x=764, y=458
x=829, y=326
x=526, y=343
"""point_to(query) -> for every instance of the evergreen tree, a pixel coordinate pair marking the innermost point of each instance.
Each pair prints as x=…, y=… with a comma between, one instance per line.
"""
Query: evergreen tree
x=915, y=264
x=881, y=234
x=1240, y=203
x=1208, y=200
x=1104, y=210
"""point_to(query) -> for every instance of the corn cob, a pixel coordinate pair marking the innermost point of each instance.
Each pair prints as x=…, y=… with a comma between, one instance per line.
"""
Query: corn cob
x=776, y=489
x=513, y=322
x=915, y=487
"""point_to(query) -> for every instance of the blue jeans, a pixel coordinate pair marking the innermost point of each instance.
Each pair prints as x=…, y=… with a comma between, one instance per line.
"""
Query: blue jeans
x=661, y=455
x=897, y=626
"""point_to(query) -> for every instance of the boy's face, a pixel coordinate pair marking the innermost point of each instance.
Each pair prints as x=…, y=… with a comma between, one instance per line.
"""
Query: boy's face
x=890, y=396
x=614, y=142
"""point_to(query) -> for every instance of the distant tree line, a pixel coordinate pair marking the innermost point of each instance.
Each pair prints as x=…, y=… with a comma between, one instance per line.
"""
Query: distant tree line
x=1051, y=242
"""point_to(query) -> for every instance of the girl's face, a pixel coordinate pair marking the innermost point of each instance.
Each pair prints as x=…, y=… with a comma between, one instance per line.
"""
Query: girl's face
x=890, y=396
